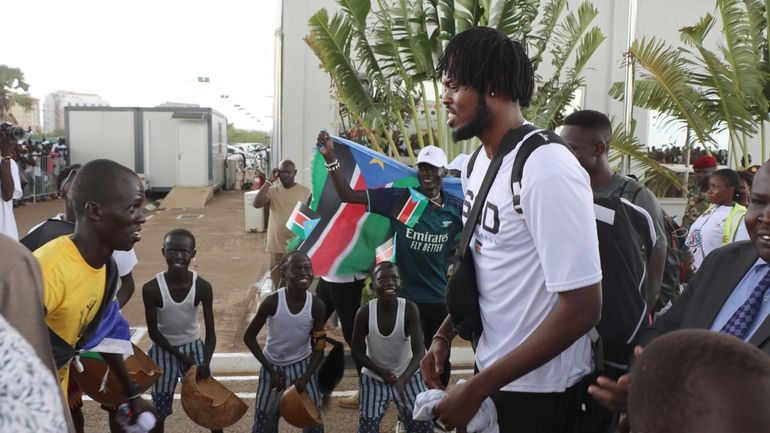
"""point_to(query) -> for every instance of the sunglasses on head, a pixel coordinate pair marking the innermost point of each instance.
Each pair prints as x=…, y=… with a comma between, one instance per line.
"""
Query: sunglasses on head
x=69, y=177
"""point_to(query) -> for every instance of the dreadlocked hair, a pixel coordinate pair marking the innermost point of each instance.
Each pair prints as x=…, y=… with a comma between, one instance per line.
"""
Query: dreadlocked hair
x=489, y=61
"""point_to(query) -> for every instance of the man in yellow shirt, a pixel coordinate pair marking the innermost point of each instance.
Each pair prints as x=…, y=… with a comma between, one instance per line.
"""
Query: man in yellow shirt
x=108, y=206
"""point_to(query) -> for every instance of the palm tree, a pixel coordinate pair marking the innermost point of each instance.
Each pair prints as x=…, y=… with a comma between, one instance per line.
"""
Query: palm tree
x=383, y=63
x=12, y=85
x=708, y=92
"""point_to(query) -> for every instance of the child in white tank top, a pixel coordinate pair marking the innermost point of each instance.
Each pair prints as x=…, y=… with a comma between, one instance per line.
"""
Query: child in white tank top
x=295, y=342
x=171, y=303
x=388, y=343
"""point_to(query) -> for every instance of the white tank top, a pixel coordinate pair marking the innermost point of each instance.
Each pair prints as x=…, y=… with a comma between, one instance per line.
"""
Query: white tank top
x=288, y=335
x=394, y=351
x=178, y=321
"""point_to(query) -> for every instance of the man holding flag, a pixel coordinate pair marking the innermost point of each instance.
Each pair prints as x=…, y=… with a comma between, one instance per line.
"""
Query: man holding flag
x=425, y=222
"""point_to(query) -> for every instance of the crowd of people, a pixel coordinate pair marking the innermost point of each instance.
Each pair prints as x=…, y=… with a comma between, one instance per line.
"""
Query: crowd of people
x=534, y=287
x=38, y=163
x=675, y=154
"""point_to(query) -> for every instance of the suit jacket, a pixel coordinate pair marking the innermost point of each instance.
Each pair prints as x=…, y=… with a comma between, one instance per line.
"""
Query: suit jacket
x=700, y=303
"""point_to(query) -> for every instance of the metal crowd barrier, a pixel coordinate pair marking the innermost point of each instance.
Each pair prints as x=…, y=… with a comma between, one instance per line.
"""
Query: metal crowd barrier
x=39, y=180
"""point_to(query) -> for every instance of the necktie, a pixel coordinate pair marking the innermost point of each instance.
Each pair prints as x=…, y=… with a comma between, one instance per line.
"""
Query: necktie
x=740, y=322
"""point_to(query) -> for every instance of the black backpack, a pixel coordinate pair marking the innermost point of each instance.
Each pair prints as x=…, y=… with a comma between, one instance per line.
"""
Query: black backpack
x=675, y=237
x=626, y=237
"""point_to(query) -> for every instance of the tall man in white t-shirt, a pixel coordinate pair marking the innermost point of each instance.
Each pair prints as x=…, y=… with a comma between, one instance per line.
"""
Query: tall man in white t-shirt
x=10, y=186
x=538, y=272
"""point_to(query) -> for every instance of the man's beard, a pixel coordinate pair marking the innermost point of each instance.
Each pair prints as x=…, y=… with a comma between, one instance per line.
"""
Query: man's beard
x=477, y=125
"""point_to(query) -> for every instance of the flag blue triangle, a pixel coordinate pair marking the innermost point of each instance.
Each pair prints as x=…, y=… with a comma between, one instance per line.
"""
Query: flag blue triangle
x=416, y=195
x=309, y=225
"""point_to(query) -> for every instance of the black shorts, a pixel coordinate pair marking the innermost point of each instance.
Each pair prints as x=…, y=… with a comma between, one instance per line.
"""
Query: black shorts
x=530, y=412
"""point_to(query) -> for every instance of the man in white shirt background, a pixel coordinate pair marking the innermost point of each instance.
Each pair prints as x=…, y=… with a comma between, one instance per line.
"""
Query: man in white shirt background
x=10, y=184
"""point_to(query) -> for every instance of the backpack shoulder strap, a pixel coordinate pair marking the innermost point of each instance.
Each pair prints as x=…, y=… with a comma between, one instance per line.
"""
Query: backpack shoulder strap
x=529, y=145
x=509, y=142
x=631, y=189
x=472, y=162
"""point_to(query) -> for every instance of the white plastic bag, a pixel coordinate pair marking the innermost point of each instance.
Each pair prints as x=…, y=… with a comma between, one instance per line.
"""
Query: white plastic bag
x=265, y=285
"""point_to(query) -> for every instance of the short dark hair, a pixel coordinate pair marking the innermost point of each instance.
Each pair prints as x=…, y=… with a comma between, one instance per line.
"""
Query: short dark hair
x=747, y=176
x=487, y=60
x=731, y=179
x=97, y=181
x=386, y=264
x=288, y=256
x=669, y=391
x=180, y=232
x=592, y=120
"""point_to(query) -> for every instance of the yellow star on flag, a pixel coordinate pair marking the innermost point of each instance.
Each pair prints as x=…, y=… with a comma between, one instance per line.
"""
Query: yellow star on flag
x=379, y=162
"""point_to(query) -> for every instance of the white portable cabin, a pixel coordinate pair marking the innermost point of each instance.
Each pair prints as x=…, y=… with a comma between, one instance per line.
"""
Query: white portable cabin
x=171, y=146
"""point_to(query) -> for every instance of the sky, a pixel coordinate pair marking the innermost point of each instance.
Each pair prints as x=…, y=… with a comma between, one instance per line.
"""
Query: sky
x=145, y=53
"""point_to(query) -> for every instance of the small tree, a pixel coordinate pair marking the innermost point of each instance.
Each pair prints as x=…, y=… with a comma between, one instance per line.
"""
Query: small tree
x=238, y=135
x=13, y=90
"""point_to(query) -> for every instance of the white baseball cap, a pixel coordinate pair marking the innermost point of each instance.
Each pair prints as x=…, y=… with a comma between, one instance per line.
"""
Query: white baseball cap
x=432, y=155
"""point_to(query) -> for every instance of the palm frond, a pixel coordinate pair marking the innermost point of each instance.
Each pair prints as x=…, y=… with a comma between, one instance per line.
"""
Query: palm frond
x=568, y=33
x=666, y=66
x=567, y=37
x=739, y=48
x=330, y=40
x=469, y=14
x=722, y=95
x=357, y=13
x=444, y=18
x=551, y=13
x=513, y=17
x=657, y=177
x=551, y=114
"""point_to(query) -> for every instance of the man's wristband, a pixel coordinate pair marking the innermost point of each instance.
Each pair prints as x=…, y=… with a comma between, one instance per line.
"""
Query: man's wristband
x=442, y=337
x=332, y=166
x=268, y=182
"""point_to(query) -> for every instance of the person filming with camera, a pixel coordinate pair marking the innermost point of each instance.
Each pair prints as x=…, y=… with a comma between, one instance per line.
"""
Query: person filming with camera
x=10, y=185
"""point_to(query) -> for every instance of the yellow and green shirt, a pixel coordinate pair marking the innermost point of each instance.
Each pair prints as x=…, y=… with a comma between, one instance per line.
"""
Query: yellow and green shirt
x=72, y=291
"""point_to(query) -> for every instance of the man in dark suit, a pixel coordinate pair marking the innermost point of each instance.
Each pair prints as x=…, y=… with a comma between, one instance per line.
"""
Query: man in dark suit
x=729, y=293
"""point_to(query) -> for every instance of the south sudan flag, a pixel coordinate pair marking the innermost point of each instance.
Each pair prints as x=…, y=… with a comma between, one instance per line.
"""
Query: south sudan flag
x=302, y=220
x=410, y=208
x=346, y=237
x=386, y=252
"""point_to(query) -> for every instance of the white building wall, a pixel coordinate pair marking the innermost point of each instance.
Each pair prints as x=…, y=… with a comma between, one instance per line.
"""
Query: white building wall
x=306, y=105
